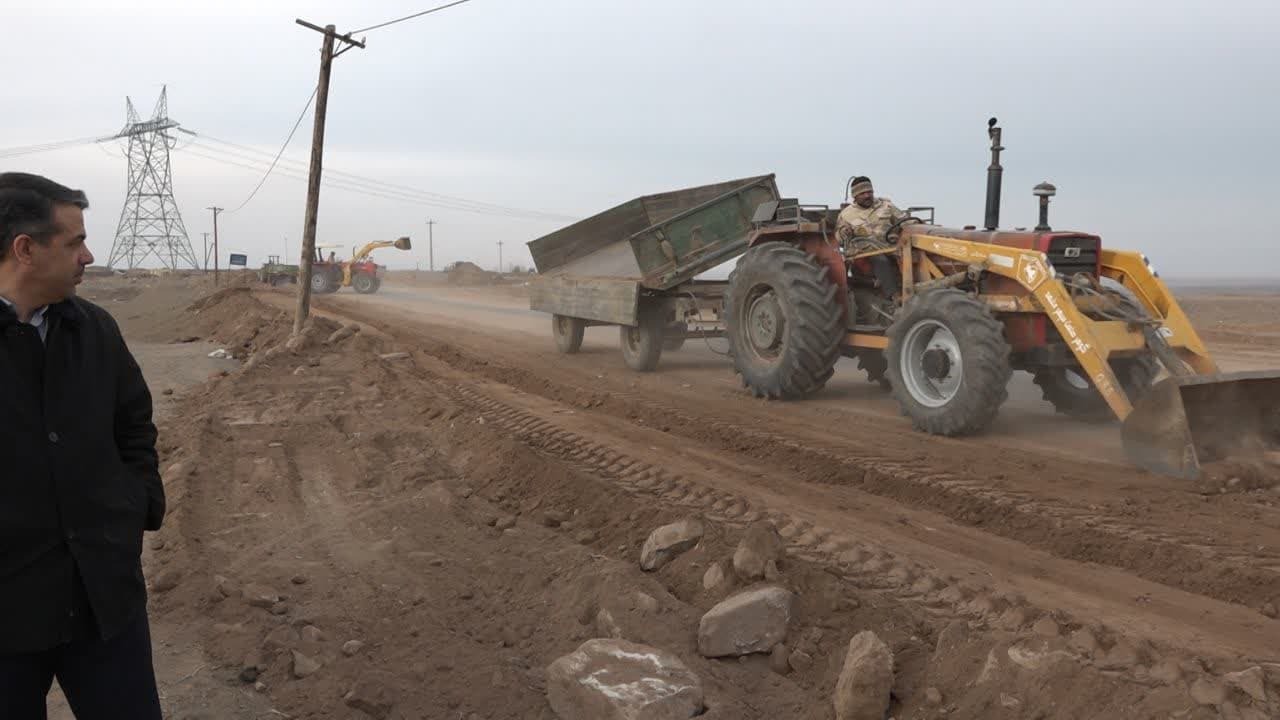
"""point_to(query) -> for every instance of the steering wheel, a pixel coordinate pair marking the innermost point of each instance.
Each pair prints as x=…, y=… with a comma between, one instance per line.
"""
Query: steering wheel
x=894, y=227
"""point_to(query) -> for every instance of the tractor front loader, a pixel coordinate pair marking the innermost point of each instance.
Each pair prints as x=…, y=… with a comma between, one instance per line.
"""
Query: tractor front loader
x=1094, y=326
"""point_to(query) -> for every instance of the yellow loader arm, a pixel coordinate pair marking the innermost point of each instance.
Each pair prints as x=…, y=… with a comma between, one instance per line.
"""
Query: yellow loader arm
x=1196, y=415
x=402, y=243
x=364, y=252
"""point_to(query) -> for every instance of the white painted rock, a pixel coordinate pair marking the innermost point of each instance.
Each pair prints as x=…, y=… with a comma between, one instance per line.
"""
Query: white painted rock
x=862, y=692
x=620, y=680
x=753, y=621
x=668, y=541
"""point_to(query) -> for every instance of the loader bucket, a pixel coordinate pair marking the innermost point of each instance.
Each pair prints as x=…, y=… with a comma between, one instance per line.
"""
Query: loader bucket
x=1185, y=423
x=403, y=244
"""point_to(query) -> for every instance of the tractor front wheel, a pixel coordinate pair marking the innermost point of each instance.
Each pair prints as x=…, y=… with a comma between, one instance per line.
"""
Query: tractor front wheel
x=948, y=363
x=1073, y=394
x=783, y=321
x=364, y=284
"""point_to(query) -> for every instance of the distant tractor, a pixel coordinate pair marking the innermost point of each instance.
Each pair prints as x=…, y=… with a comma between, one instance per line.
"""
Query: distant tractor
x=276, y=273
x=328, y=273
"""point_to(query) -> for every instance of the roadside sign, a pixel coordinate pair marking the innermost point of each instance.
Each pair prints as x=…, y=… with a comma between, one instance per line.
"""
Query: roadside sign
x=239, y=259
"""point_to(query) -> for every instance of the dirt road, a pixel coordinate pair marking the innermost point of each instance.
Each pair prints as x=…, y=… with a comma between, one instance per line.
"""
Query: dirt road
x=470, y=511
x=1042, y=506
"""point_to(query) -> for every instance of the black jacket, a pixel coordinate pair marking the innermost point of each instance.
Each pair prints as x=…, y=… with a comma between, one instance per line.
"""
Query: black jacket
x=79, y=478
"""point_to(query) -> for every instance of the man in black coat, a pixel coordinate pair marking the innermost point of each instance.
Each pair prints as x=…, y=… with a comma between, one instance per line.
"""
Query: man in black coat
x=79, y=481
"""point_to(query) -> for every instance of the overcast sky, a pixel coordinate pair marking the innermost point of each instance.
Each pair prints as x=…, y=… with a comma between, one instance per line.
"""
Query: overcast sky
x=1157, y=121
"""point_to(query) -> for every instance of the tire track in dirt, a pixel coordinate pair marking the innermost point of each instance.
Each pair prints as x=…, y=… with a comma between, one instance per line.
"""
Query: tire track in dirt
x=864, y=565
x=1180, y=557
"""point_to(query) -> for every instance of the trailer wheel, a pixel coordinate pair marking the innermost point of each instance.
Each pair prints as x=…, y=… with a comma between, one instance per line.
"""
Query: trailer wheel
x=568, y=333
x=364, y=284
x=782, y=320
x=642, y=344
x=674, y=336
x=948, y=363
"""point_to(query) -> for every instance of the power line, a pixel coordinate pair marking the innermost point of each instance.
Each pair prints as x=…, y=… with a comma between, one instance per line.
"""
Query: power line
x=408, y=17
x=46, y=147
x=370, y=190
x=301, y=115
x=370, y=186
x=450, y=199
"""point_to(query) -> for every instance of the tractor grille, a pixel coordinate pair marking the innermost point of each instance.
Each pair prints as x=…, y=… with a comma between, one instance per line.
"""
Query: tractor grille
x=1071, y=255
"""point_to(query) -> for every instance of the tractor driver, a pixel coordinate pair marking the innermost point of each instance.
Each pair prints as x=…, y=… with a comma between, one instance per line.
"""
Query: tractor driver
x=861, y=228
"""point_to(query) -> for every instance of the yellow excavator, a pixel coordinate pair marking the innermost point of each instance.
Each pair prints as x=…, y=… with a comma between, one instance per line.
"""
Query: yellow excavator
x=328, y=273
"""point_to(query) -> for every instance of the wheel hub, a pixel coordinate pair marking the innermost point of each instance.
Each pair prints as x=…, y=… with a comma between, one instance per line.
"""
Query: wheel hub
x=931, y=364
x=765, y=322
x=936, y=363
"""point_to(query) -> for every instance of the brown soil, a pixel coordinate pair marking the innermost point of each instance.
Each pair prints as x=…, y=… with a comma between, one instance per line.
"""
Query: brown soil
x=364, y=490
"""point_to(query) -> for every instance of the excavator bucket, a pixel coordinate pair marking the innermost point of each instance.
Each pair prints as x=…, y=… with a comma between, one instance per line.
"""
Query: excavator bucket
x=1185, y=423
x=403, y=244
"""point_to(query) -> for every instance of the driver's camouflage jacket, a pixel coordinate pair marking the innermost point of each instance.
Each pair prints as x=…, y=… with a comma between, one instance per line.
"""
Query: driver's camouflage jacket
x=857, y=224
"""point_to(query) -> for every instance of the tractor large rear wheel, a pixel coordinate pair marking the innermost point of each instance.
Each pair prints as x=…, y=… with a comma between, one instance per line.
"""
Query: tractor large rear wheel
x=948, y=363
x=783, y=322
x=322, y=282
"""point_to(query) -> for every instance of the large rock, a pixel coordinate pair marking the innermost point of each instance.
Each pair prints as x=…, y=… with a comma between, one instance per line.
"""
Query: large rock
x=370, y=697
x=862, y=692
x=260, y=596
x=304, y=666
x=753, y=621
x=668, y=541
x=1252, y=681
x=759, y=545
x=714, y=577
x=620, y=680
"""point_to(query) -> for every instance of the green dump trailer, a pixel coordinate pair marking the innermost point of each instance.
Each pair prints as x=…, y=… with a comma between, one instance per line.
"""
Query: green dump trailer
x=634, y=266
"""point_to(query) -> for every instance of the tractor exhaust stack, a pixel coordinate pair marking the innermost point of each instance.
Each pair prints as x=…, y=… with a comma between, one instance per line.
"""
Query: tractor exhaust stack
x=994, y=175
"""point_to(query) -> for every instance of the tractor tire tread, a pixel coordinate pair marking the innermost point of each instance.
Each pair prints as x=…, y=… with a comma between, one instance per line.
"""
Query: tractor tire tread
x=815, y=332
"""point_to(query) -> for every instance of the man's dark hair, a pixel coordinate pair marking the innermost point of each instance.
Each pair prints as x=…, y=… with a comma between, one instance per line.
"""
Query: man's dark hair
x=859, y=179
x=26, y=206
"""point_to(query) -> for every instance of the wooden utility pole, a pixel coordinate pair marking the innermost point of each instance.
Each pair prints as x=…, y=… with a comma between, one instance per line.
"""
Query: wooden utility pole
x=206, y=251
x=317, y=156
x=215, y=210
x=431, y=246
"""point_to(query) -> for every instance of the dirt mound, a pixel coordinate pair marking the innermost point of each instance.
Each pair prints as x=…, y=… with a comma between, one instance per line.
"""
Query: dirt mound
x=243, y=325
x=468, y=273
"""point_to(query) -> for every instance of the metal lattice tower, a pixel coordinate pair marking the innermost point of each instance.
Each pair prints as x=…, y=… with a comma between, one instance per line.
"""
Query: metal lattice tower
x=150, y=223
